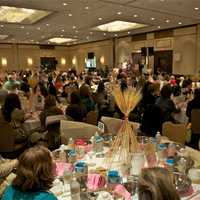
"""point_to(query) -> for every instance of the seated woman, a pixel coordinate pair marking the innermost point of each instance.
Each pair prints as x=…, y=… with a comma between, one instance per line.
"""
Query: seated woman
x=156, y=184
x=86, y=97
x=166, y=105
x=34, y=176
x=76, y=109
x=193, y=104
x=50, y=109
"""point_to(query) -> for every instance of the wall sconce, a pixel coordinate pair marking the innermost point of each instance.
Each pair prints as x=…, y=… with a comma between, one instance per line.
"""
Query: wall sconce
x=4, y=62
x=74, y=61
x=30, y=61
x=63, y=61
x=102, y=60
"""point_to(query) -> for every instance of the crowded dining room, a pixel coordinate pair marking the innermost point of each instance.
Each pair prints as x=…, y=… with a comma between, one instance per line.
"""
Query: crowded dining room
x=100, y=100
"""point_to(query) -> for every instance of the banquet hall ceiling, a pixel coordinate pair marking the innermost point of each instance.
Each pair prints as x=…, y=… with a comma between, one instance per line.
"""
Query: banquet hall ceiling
x=77, y=18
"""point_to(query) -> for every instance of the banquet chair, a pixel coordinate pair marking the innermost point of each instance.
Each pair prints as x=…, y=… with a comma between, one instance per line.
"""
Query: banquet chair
x=195, y=125
x=92, y=118
x=8, y=147
x=112, y=125
x=195, y=128
x=76, y=130
x=53, y=128
x=175, y=132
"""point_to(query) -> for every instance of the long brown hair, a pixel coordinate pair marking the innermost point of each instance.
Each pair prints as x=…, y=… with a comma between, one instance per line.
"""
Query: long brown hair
x=35, y=170
x=156, y=184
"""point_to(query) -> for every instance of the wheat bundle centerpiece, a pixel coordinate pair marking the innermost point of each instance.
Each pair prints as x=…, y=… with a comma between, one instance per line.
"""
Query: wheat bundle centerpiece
x=125, y=143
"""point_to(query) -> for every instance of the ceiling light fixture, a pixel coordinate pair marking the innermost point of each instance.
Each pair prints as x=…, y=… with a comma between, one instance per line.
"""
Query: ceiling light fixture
x=70, y=14
x=152, y=18
x=135, y=15
x=27, y=33
x=104, y=34
x=117, y=26
x=91, y=33
x=99, y=18
x=76, y=31
x=167, y=21
x=129, y=32
x=74, y=27
x=22, y=27
x=64, y=4
x=47, y=24
x=180, y=23
x=86, y=8
x=159, y=27
x=63, y=30
x=119, y=13
x=21, y=15
x=196, y=8
x=61, y=40
x=38, y=28
x=116, y=35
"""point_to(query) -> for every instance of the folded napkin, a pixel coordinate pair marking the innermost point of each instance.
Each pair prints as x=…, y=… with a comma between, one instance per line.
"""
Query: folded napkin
x=121, y=191
x=95, y=181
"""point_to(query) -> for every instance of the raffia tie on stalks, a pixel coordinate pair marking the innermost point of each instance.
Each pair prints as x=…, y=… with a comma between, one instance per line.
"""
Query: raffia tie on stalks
x=125, y=143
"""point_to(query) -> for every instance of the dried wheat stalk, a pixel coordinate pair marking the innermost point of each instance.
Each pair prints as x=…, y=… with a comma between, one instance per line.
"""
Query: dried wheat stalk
x=125, y=143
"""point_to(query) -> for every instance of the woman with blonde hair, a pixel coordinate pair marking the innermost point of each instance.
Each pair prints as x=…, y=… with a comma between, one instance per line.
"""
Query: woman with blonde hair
x=156, y=184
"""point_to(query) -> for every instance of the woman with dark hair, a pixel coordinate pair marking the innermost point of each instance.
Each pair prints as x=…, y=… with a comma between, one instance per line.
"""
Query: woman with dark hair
x=76, y=110
x=193, y=104
x=11, y=103
x=50, y=109
x=156, y=184
x=35, y=175
x=166, y=105
x=86, y=97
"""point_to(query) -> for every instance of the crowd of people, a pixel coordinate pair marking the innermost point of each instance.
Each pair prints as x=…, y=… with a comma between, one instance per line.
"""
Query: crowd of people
x=83, y=93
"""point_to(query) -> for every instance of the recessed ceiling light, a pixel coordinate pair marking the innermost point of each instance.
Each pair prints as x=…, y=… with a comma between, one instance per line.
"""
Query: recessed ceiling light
x=162, y=0
x=27, y=33
x=159, y=27
x=22, y=27
x=86, y=8
x=61, y=40
x=64, y=4
x=70, y=14
x=38, y=28
x=117, y=26
x=129, y=32
x=167, y=21
x=63, y=30
x=99, y=18
x=21, y=15
x=37, y=42
x=47, y=24
x=76, y=31
x=152, y=18
x=135, y=15
x=104, y=34
x=32, y=40
x=116, y=35
x=180, y=23
x=2, y=25
x=61, y=35
x=87, y=37
x=74, y=27
x=119, y=13
x=196, y=8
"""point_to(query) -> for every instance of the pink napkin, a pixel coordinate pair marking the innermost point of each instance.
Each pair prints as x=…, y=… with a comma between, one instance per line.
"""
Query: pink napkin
x=80, y=142
x=60, y=168
x=95, y=181
x=121, y=191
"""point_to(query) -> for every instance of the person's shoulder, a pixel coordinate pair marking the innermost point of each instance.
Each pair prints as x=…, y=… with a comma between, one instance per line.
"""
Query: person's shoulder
x=46, y=196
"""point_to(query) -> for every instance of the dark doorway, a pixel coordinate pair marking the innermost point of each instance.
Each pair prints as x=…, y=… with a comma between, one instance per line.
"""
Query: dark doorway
x=163, y=61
